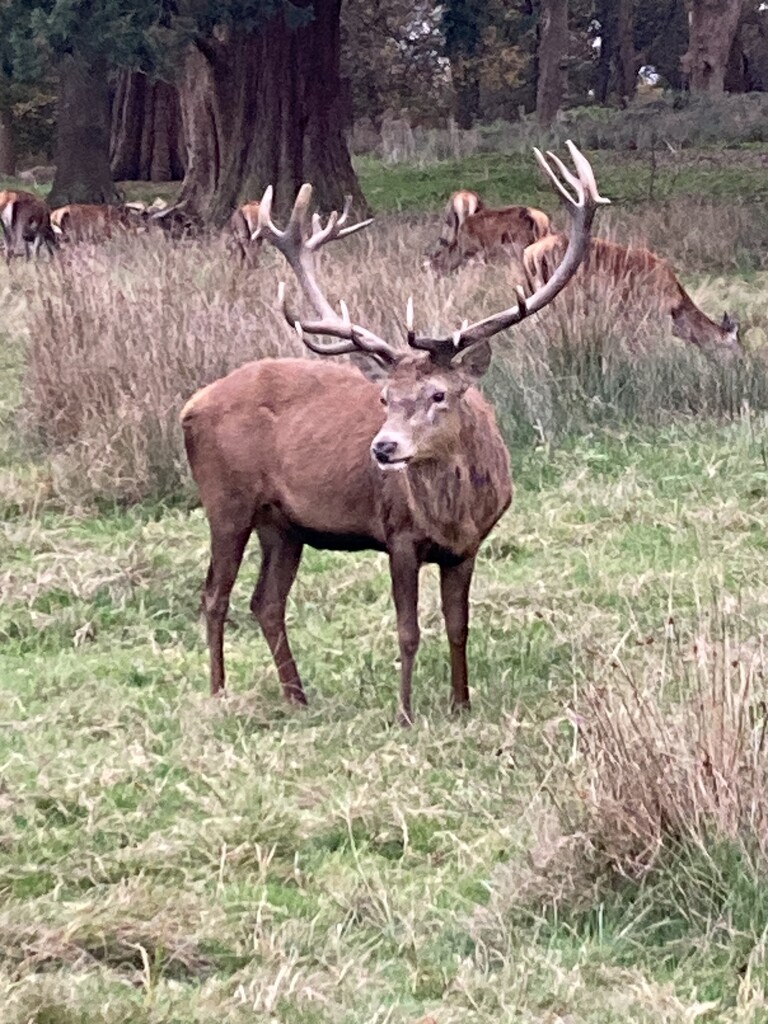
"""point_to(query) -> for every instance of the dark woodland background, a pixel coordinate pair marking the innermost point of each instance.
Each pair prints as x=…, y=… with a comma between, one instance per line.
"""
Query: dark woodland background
x=231, y=95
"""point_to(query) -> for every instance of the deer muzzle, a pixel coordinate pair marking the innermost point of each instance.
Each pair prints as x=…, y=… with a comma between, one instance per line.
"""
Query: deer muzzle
x=389, y=452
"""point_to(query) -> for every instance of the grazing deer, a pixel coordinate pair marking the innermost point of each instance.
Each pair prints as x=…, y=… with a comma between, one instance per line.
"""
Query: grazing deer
x=243, y=225
x=487, y=233
x=92, y=222
x=461, y=205
x=26, y=224
x=310, y=452
x=645, y=279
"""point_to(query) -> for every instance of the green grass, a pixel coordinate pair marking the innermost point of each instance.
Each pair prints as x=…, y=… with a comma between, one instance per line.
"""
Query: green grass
x=501, y=179
x=167, y=859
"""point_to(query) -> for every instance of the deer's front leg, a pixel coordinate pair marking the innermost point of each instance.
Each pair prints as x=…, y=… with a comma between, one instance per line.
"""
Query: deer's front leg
x=454, y=592
x=404, y=568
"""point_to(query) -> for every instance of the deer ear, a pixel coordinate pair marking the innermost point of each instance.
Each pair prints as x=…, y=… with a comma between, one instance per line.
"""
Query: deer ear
x=477, y=359
x=729, y=323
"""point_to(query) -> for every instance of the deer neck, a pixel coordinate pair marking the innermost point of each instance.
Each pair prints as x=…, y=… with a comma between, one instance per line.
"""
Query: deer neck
x=454, y=501
x=692, y=324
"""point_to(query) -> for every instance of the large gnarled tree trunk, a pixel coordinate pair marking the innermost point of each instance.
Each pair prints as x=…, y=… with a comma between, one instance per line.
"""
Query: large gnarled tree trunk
x=147, y=140
x=82, y=134
x=265, y=108
x=713, y=26
x=552, y=53
x=618, y=64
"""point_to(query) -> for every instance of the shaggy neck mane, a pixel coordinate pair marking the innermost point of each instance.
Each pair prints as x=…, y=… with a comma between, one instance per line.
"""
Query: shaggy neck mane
x=454, y=499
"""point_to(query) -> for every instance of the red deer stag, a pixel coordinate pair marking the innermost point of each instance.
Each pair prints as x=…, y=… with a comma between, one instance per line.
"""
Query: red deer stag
x=26, y=224
x=243, y=226
x=645, y=280
x=311, y=452
x=486, y=234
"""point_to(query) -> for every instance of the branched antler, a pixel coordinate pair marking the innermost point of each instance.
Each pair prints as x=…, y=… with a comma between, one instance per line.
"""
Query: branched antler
x=299, y=242
x=582, y=206
x=303, y=237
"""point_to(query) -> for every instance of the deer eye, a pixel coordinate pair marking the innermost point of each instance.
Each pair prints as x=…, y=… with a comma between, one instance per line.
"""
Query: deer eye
x=439, y=396
x=383, y=399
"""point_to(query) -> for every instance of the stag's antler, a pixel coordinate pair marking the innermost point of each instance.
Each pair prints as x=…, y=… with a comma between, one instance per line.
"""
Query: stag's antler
x=298, y=243
x=582, y=209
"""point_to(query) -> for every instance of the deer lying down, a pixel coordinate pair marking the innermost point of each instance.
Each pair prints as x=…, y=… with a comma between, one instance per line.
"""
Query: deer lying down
x=26, y=224
x=644, y=279
x=93, y=222
x=310, y=452
x=488, y=233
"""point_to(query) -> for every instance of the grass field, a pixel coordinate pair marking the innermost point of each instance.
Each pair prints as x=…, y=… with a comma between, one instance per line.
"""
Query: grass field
x=588, y=846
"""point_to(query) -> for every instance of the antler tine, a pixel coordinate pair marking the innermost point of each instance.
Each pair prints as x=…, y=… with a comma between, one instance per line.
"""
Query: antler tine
x=326, y=234
x=297, y=222
x=344, y=215
x=586, y=174
x=551, y=174
x=582, y=208
x=411, y=334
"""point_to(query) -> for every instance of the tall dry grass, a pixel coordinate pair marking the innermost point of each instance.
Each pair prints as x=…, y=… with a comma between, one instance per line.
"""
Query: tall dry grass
x=648, y=827
x=122, y=335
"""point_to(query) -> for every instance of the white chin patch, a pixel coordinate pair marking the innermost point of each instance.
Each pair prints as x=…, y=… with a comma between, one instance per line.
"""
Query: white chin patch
x=391, y=467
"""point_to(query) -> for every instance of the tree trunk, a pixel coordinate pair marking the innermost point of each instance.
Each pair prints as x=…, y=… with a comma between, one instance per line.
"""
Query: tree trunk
x=7, y=146
x=712, y=29
x=147, y=142
x=465, y=78
x=82, y=134
x=553, y=50
x=606, y=15
x=736, y=77
x=626, y=58
x=266, y=108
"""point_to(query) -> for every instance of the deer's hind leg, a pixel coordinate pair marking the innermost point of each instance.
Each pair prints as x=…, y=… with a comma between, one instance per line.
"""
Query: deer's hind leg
x=228, y=543
x=280, y=558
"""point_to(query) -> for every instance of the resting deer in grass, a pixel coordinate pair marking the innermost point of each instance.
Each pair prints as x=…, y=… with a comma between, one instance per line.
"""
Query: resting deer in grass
x=312, y=452
x=487, y=233
x=26, y=224
x=644, y=279
x=243, y=225
x=93, y=222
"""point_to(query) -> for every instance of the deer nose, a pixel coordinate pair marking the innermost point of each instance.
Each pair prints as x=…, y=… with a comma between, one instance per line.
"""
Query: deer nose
x=383, y=450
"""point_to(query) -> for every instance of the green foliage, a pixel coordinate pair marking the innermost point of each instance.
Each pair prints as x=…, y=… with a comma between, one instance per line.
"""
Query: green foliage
x=33, y=107
x=125, y=32
x=389, y=50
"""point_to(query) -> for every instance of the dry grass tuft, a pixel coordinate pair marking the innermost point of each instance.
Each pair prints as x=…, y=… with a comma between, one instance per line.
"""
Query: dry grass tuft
x=654, y=774
x=120, y=337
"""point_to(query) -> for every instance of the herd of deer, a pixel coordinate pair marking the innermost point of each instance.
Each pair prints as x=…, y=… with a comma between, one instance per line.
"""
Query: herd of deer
x=309, y=452
x=471, y=232
x=29, y=225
